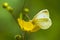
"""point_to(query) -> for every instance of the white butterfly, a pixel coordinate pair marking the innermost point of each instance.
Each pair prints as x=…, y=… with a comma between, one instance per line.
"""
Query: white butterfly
x=42, y=19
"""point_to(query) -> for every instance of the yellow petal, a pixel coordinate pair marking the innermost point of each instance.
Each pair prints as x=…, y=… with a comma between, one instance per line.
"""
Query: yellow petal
x=20, y=23
x=36, y=28
x=26, y=26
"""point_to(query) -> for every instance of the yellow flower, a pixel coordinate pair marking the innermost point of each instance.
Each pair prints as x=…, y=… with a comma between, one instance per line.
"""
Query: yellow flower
x=27, y=26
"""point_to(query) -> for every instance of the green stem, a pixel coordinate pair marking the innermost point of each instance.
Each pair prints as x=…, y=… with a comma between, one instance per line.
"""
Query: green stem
x=23, y=34
x=21, y=15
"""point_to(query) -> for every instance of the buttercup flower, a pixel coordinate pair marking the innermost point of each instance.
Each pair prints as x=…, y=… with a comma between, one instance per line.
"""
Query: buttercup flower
x=26, y=26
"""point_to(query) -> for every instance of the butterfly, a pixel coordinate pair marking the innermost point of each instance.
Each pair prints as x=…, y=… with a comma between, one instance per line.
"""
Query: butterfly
x=42, y=19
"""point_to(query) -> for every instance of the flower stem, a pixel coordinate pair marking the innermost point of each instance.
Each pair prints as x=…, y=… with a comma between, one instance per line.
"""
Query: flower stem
x=21, y=15
x=23, y=35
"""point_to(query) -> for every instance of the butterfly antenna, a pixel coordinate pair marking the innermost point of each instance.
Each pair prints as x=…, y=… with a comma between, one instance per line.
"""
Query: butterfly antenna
x=27, y=16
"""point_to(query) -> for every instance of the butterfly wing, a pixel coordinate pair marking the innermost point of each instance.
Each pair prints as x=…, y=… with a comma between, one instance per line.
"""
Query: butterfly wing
x=42, y=19
x=41, y=14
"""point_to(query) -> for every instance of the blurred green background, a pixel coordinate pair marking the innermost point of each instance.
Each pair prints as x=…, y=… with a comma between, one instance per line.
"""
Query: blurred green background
x=9, y=27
